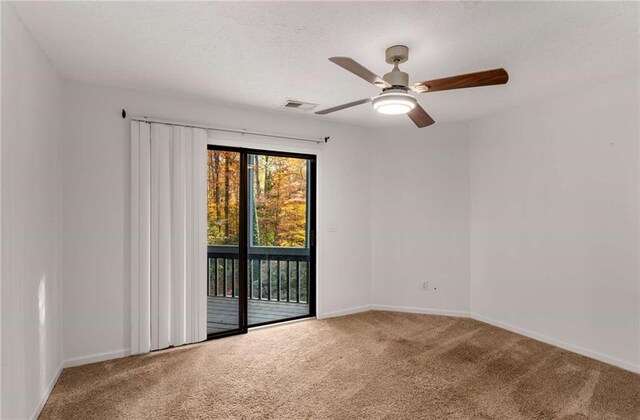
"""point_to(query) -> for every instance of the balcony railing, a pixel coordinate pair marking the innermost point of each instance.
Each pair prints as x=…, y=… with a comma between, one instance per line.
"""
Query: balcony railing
x=275, y=273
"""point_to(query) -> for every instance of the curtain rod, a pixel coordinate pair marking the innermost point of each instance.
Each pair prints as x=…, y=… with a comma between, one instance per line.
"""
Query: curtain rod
x=226, y=130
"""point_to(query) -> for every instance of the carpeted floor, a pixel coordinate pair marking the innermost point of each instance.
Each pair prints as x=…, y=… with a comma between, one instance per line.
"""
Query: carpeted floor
x=378, y=365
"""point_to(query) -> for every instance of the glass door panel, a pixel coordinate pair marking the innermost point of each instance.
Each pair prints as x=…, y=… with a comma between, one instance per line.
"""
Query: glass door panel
x=224, y=307
x=280, y=238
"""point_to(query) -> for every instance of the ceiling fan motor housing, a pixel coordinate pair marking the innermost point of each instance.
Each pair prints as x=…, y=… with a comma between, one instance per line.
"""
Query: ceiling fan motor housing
x=397, y=78
x=395, y=55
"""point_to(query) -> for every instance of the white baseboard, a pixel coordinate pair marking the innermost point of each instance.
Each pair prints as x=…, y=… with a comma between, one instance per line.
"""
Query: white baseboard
x=557, y=343
x=428, y=311
x=45, y=395
x=343, y=312
x=93, y=358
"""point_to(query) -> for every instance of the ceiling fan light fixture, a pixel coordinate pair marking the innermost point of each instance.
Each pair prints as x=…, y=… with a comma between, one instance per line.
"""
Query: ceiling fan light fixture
x=394, y=102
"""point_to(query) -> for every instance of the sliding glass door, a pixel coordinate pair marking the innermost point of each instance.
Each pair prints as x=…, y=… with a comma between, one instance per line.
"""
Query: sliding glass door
x=225, y=233
x=261, y=238
x=279, y=237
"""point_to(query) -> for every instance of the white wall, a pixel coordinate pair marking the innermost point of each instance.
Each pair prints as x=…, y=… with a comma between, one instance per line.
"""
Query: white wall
x=554, y=221
x=31, y=222
x=96, y=174
x=516, y=218
x=420, y=219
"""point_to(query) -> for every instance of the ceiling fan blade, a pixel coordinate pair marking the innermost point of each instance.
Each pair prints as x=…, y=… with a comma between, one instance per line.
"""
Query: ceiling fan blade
x=481, y=78
x=343, y=106
x=420, y=117
x=359, y=70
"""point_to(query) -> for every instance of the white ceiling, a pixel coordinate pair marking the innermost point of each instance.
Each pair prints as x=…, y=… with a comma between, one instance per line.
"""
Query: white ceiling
x=260, y=54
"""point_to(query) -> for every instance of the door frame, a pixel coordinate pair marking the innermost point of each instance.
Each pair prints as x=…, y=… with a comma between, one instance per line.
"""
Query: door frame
x=243, y=244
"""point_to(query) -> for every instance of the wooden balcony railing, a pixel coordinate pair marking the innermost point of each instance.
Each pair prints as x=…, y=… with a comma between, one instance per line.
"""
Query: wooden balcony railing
x=275, y=273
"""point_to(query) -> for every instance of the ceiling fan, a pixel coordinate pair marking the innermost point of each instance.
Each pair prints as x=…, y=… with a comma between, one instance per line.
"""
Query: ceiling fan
x=395, y=97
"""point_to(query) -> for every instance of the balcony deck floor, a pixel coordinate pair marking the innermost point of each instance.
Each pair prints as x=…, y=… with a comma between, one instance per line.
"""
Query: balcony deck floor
x=222, y=313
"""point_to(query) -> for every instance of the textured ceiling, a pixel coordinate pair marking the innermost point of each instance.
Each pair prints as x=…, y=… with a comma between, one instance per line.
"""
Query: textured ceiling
x=260, y=54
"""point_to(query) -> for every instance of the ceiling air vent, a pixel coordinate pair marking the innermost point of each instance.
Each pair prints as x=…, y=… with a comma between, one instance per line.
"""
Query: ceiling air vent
x=294, y=105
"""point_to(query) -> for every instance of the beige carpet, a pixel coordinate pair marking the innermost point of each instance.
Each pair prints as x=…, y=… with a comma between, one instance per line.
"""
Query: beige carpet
x=378, y=365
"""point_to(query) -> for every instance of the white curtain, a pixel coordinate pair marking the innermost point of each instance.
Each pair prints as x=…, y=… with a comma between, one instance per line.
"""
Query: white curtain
x=168, y=236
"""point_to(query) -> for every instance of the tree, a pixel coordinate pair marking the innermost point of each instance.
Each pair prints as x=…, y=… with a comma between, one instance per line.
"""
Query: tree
x=279, y=188
x=222, y=195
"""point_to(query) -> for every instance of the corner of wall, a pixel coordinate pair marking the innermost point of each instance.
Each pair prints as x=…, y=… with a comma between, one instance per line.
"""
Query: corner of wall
x=554, y=198
x=46, y=393
x=31, y=207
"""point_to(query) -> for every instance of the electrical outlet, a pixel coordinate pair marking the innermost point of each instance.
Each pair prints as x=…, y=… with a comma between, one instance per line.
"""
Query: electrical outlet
x=425, y=285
